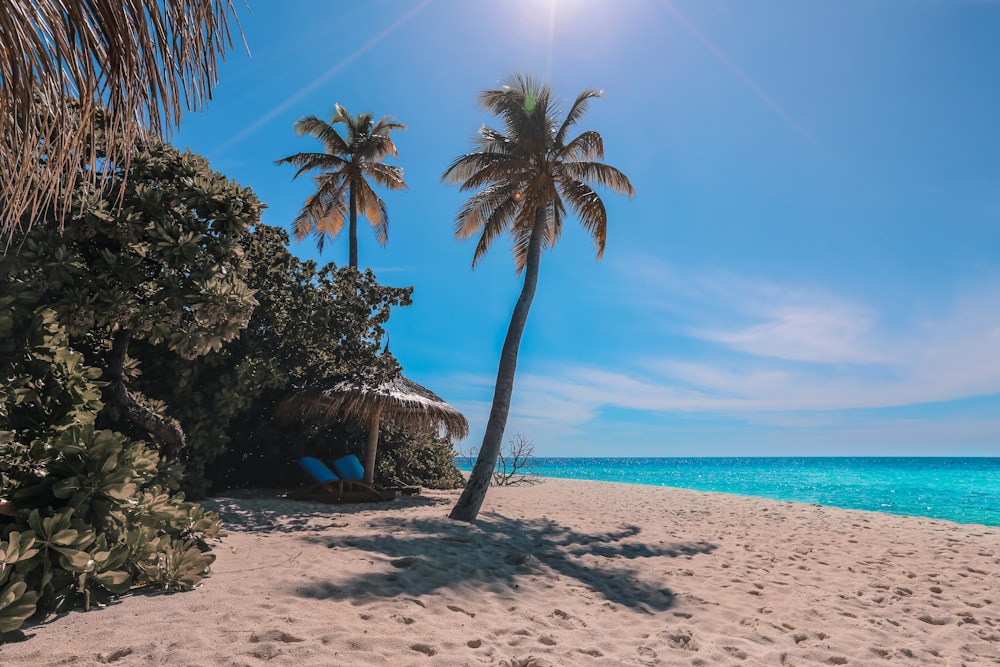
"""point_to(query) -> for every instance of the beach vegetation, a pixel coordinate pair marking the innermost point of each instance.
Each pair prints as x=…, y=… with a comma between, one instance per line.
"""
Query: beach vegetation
x=133, y=67
x=93, y=514
x=515, y=462
x=416, y=459
x=526, y=179
x=311, y=322
x=162, y=266
x=342, y=184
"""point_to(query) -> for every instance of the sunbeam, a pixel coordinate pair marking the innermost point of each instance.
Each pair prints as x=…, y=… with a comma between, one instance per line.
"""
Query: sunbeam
x=732, y=67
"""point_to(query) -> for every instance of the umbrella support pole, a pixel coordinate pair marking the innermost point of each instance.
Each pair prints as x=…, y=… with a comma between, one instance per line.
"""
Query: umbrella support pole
x=372, y=447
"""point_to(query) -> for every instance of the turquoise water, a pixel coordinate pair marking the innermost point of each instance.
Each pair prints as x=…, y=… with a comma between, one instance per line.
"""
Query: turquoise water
x=966, y=490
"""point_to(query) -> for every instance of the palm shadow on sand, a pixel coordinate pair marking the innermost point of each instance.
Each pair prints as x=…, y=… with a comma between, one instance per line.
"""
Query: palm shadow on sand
x=428, y=555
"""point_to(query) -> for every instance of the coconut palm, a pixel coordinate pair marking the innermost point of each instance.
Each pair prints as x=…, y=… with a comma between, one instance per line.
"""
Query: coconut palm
x=130, y=63
x=342, y=184
x=527, y=178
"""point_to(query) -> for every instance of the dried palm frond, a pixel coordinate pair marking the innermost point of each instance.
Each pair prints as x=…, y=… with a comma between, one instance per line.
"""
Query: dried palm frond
x=137, y=63
x=400, y=401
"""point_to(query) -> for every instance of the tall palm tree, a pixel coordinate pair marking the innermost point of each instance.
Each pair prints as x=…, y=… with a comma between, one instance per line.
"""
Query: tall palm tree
x=345, y=167
x=525, y=177
x=130, y=63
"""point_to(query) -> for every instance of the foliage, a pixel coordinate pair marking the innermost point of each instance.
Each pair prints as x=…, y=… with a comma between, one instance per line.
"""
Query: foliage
x=414, y=459
x=312, y=323
x=92, y=519
x=342, y=184
x=162, y=267
x=526, y=179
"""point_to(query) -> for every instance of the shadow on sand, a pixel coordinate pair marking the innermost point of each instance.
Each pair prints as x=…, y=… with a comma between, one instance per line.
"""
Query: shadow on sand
x=495, y=552
x=271, y=513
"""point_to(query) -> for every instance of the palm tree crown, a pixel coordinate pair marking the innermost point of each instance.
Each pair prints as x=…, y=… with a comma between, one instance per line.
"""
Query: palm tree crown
x=531, y=168
x=526, y=178
x=342, y=184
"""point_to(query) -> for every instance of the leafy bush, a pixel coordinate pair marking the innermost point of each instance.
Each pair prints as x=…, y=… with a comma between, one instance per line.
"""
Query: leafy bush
x=424, y=460
x=311, y=323
x=93, y=518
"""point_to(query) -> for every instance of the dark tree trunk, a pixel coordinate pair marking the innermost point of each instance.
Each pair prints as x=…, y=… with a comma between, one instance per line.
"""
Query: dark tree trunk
x=352, y=229
x=467, y=507
x=166, y=431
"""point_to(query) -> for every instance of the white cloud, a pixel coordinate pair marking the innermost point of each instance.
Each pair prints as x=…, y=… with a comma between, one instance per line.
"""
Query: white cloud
x=766, y=348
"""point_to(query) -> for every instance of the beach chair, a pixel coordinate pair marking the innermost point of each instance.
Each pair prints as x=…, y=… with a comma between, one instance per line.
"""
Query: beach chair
x=350, y=468
x=330, y=488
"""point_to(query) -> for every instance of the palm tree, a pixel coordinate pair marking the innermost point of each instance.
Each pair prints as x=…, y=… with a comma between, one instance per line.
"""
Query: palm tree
x=344, y=167
x=130, y=64
x=524, y=178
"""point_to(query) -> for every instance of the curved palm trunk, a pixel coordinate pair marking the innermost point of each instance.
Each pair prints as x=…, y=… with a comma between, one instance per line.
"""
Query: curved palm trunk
x=353, y=228
x=467, y=507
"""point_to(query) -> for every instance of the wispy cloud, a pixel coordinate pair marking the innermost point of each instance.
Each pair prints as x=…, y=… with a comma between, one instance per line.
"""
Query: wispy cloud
x=779, y=354
x=735, y=69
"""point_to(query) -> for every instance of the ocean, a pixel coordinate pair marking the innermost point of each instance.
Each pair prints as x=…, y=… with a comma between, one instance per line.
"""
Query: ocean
x=965, y=490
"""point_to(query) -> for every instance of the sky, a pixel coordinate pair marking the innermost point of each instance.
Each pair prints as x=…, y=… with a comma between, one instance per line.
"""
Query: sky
x=811, y=262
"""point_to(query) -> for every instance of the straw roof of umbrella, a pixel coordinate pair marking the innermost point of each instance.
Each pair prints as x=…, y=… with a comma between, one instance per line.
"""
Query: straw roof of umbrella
x=400, y=401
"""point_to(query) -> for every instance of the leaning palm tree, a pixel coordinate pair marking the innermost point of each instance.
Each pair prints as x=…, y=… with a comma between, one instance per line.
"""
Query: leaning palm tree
x=129, y=63
x=342, y=184
x=525, y=177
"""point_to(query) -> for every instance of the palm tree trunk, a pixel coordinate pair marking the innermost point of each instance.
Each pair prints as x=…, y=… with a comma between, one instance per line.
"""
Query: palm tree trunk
x=467, y=507
x=353, y=228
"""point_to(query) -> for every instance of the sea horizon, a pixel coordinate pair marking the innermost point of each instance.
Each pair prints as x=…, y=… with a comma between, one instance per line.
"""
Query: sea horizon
x=962, y=489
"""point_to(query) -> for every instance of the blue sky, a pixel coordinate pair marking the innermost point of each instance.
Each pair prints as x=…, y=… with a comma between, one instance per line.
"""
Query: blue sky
x=811, y=263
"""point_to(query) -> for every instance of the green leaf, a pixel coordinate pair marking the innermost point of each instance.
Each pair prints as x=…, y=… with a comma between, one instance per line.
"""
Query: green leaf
x=17, y=604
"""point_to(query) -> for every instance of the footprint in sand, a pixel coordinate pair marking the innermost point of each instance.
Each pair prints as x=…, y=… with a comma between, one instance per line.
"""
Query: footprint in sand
x=274, y=636
x=682, y=639
x=115, y=656
x=424, y=648
x=456, y=608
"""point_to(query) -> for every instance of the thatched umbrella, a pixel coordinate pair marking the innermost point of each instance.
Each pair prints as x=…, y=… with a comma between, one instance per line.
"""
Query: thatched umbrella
x=400, y=401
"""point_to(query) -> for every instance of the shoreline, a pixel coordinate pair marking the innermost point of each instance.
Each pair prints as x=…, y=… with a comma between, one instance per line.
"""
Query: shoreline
x=921, y=497
x=560, y=573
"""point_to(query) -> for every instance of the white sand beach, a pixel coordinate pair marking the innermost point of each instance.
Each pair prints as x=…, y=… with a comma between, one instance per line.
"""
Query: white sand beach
x=559, y=573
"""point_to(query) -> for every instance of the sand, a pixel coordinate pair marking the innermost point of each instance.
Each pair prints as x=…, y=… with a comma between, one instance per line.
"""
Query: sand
x=560, y=573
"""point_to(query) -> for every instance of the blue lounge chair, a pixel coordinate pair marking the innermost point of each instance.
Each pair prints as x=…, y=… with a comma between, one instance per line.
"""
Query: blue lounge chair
x=328, y=487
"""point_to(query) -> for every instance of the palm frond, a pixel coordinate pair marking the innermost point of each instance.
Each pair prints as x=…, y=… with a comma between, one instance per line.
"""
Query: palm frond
x=587, y=146
x=600, y=173
x=588, y=206
x=374, y=148
x=576, y=112
x=500, y=219
x=310, y=161
x=134, y=65
x=327, y=134
x=495, y=205
x=386, y=175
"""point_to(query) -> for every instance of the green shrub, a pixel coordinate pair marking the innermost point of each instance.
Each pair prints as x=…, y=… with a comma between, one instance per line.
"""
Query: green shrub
x=92, y=519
